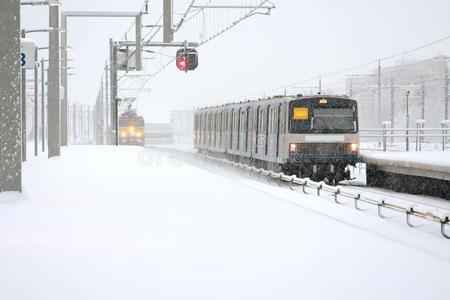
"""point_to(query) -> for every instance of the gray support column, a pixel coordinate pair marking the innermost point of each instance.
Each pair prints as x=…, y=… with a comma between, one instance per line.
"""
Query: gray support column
x=54, y=108
x=167, y=21
x=36, y=96
x=88, y=123
x=379, y=94
x=74, y=121
x=64, y=107
x=113, y=78
x=24, y=108
x=392, y=101
x=107, y=100
x=100, y=112
x=81, y=122
x=10, y=100
x=422, y=104
x=446, y=82
x=43, y=104
x=138, y=52
x=392, y=107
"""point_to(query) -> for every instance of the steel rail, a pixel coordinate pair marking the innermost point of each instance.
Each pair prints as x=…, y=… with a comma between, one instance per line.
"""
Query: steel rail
x=320, y=186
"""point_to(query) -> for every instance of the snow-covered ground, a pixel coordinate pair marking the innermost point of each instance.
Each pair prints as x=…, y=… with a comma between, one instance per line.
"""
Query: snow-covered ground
x=122, y=223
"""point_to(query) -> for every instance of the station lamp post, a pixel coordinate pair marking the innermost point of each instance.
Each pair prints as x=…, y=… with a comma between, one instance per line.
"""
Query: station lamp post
x=407, y=120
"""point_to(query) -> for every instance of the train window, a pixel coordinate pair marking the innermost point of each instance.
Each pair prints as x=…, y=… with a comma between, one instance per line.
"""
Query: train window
x=333, y=118
x=310, y=116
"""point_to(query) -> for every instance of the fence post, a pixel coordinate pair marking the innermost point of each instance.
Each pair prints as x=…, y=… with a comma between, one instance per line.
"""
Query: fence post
x=419, y=139
x=386, y=125
x=444, y=125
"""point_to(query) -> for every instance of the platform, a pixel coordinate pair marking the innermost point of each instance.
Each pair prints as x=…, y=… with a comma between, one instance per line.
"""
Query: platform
x=432, y=164
x=425, y=172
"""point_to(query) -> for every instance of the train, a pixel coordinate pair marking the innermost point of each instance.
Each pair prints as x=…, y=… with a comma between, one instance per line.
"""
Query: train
x=313, y=136
x=131, y=129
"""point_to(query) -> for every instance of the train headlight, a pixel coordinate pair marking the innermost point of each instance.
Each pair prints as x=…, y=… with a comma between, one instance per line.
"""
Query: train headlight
x=354, y=147
x=123, y=134
x=292, y=147
x=139, y=134
x=131, y=129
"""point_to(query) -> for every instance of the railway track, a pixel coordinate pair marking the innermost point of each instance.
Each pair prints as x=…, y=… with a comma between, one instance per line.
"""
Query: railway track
x=400, y=205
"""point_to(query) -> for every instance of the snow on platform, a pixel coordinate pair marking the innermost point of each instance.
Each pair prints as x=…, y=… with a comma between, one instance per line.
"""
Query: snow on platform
x=121, y=223
x=438, y=161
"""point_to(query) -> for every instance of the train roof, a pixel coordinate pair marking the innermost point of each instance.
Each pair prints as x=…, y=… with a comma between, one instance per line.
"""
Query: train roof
x=270, y=100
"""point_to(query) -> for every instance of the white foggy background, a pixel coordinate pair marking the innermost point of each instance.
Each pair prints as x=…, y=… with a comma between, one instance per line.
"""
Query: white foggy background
x=261, y=55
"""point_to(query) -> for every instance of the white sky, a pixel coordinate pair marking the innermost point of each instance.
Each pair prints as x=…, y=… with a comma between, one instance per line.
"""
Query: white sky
x=301, y=39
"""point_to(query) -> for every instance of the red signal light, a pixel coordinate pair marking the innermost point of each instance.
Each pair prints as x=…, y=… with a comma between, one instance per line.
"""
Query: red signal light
x=182, y=63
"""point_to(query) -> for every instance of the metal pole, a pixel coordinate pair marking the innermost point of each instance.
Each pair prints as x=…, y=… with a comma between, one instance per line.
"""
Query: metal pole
x=392, y=107
x=10, y=100
x=138, y=52
x=107, y=100
x=24, y=108
x=100, y=112
x=88, y=123
x=43, y=104
x=81, y=122
x=54, y=110
x=446, y=89
x=117, y=122
x=379, y=92
x=113, y=78
x=74, y=122
x=320, y=85
x=423, y=101
x=351, y=87
x=64, y=106
x=407, y=121
x=36, y=96
x=167, y=21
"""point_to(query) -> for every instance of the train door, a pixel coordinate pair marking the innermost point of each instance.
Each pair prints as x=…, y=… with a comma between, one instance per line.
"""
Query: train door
x=278, y=128
x=223, y=138
x=229, y=128
x=261, y=139
x=255, y=131
x=213, y=130
x=202, y=130
x=218, y=128
x=275, y=129
x=243, y=130
x=271, y=135
x=282, y=135
x=250, y=126
x=195, y=128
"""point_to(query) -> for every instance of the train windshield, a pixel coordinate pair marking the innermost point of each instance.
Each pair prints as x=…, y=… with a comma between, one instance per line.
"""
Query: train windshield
x=331, y=119
x=323, y=115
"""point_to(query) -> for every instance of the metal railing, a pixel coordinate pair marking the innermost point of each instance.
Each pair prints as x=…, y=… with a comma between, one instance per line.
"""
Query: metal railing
x=203, y=160
x=417, y=134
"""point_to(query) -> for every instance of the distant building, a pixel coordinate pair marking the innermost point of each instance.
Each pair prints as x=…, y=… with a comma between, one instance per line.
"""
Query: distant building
x=427, y=80
x=182, y=122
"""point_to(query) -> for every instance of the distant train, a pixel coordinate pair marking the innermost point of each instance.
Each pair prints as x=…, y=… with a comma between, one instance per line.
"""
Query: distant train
x=131, y=129
x=314, y=136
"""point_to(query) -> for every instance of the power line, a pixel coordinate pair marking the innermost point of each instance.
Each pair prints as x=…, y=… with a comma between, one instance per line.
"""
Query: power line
x=355, y=67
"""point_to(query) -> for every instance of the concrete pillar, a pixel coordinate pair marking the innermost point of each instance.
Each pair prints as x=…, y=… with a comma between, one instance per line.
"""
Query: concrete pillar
x=113, y=83
x=10, y=97
x=43, y=104
x=54, y=108
x=24, y=108
x=64, y=105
